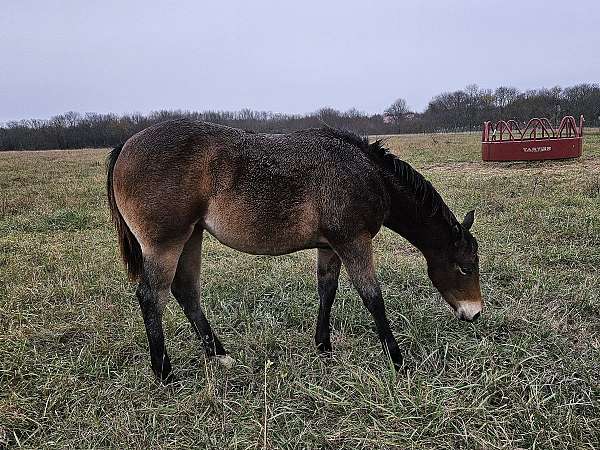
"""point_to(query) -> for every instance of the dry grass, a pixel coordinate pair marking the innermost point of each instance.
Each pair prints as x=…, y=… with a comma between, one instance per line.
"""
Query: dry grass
x=75, y=372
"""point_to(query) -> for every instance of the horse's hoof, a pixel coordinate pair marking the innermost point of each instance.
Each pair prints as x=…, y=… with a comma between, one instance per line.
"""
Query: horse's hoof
x=399, y=366
x=226, y=361
x=166, y=379
x=324, y=348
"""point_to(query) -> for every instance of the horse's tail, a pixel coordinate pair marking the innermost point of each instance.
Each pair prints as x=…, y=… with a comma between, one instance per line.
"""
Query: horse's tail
x=131, y=251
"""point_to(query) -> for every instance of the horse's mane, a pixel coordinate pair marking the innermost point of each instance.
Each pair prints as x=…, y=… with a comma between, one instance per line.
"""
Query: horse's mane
x=424, y=192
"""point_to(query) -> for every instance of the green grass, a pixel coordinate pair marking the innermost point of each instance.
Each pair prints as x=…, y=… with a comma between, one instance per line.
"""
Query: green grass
x=74, y=365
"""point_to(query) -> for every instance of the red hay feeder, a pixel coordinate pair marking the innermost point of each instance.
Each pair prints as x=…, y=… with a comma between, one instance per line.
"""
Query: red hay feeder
x=504, y=141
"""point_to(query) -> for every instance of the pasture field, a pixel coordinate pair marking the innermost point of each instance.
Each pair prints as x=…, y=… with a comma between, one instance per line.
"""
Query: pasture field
x=74, y=364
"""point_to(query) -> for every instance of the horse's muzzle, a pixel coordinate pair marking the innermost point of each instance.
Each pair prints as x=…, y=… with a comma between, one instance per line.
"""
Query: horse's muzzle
x=468, y=311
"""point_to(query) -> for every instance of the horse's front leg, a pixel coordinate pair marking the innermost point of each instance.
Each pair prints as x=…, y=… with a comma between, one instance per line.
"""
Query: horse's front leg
x=328, y=272
x=357, y=256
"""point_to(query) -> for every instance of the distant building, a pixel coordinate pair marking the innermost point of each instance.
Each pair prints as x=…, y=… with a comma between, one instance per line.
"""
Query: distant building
x=388, y=118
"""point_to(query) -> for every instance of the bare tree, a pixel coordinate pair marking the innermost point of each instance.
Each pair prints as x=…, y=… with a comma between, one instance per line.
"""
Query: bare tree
x=504, y=96
x=396, y=113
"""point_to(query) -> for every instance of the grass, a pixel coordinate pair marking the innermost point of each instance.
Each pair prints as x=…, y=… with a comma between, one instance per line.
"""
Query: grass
x=74, y=368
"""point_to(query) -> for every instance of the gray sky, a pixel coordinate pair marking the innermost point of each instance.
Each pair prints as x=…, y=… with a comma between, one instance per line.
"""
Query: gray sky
x=126, y=56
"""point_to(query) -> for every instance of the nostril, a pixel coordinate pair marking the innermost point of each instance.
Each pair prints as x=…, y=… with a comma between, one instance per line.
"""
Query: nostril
x=476, y=316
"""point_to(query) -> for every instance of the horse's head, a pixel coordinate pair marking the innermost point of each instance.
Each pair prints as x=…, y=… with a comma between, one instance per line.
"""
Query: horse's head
x=455, y=271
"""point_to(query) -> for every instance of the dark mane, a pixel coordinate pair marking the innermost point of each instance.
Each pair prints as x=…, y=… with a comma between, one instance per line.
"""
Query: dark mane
x=403, y=172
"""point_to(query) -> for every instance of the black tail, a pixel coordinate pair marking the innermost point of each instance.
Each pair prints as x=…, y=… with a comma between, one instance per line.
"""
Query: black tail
x=131, y=251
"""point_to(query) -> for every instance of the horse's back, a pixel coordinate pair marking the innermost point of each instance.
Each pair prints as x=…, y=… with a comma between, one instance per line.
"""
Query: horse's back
x=257, y=193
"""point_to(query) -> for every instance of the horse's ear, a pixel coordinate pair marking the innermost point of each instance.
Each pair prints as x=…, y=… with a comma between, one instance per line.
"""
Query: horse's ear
x=457, y=233
x=468, y=220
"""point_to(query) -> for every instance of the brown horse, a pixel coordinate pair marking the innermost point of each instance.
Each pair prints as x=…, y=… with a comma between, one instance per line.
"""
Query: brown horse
x=274, y=194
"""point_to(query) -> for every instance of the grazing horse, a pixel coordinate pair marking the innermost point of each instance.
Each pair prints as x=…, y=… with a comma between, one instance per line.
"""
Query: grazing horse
x=273, y=194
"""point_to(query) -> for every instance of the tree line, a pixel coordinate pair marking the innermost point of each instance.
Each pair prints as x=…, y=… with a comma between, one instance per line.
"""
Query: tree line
x=467, y=109
x=462, y=110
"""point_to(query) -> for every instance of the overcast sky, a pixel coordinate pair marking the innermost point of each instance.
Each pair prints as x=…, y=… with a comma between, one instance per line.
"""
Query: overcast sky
x=128, y=56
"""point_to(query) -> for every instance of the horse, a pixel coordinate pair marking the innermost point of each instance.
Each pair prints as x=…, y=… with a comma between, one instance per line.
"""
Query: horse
x=274, y=194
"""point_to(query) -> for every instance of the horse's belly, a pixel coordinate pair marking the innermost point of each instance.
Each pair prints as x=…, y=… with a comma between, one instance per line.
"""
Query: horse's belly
x=259, y=242
x=260, y=234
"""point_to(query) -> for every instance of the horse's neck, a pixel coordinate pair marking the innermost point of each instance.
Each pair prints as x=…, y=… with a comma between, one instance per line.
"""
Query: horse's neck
x=416, y=222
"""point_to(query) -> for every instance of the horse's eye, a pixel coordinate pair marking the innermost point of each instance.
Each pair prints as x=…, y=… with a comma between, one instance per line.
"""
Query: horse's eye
x=464, y=270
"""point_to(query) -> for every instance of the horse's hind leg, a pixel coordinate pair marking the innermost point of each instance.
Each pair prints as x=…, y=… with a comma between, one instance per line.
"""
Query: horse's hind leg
x=153, y=294
x=186, y=289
